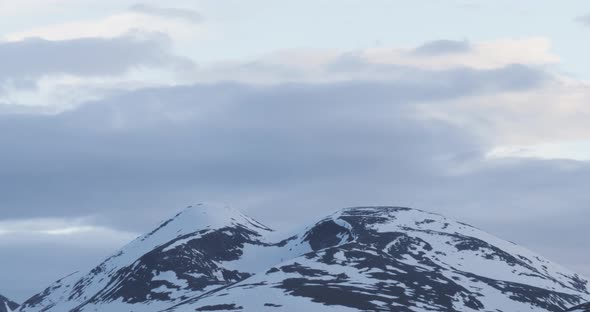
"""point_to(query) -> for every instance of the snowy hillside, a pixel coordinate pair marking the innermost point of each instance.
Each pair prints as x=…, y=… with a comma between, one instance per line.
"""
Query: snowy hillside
x=180, y=258
x=212, y=258
x=6, y=305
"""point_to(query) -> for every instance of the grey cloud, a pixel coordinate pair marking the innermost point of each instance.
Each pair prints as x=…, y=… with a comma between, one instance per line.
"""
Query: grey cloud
x=350, y=61
x=185, y=14
x=447, y=82
x=286, y=153
x=584, y=19
x=513, y=77
x=192, y=137
x=225, y=141
x=195, y=137
x=442, y=47
x=29, y=59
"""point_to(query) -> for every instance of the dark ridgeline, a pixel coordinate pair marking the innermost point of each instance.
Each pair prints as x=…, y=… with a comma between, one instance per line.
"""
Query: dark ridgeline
x=7, y=305
x=581, y=308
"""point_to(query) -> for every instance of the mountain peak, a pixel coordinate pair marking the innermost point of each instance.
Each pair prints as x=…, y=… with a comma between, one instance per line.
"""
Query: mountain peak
x=390, y=211
x=6, y=305
x=202, y=216
x=210, y=257
x=211, y=214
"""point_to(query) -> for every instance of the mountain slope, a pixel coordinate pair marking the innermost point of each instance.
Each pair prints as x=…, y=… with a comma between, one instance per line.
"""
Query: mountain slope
x=210, y=258
x=386, y=258
x=6, y=305
x=181, y=257
x=581, y=308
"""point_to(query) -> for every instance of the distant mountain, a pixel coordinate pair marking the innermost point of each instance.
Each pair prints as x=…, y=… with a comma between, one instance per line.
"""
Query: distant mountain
x=212, y=258
x=7, y=305
x=581, y=308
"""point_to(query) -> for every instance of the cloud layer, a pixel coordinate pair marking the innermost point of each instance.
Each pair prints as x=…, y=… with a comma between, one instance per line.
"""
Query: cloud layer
x=31, y=59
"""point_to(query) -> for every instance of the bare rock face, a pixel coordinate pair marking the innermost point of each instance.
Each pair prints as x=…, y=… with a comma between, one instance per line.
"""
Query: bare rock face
x=212, y=258
x=6, y=305
x=581, y=308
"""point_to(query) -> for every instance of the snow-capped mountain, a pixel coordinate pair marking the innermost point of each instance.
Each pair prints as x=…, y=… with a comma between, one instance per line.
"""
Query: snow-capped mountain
x=6, y=305
x=212, y=258
x=182, y=257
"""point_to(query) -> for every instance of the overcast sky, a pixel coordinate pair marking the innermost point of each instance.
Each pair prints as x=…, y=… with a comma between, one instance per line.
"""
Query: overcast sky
x=116, y=114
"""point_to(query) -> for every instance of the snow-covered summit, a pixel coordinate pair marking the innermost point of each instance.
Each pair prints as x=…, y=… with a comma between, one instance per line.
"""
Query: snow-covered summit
x=195, y=218
x=213, y=258
x=182, y=256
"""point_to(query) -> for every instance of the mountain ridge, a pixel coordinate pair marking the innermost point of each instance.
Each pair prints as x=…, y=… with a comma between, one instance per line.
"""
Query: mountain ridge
x=211, y=257
x=7, y=305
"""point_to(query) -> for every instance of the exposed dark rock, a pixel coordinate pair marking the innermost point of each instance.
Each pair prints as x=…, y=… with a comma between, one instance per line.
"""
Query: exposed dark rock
x=7, y=305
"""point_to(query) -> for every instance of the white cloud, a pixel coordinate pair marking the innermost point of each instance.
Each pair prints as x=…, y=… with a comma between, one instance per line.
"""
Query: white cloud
x=112, y=26
x=58, y=93
x=310, y=65
x=62, y=231
x=576, y=150
x=481, y=55
x=549, y=121
x=59, y=74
